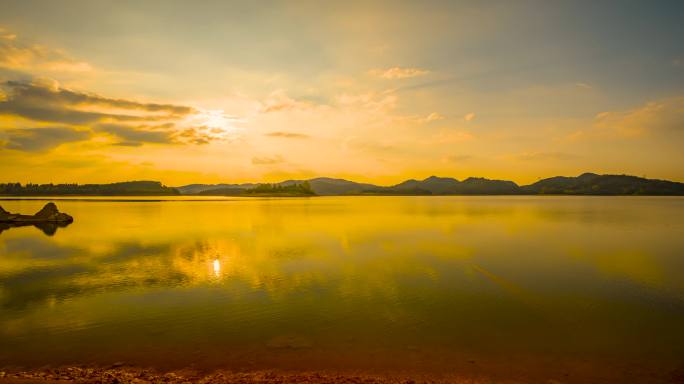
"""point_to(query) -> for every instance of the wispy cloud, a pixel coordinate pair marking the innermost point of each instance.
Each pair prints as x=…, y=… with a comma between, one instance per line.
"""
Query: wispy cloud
x=267, y=160
x=469, y=117
x=422, y=119
x=398, y=72
x=278, y=101
x=545, y=156
x=661, y=117
x=17, y=55
x=457, y=158
x=131, y=122
x=31, y=94
x=41, y=139
x=6, y=34
x=288, y=135
x=200, y=135
x=137, y=135
x=434, y=116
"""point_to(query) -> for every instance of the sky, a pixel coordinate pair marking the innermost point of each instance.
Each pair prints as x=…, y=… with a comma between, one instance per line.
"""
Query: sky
x=374, y=91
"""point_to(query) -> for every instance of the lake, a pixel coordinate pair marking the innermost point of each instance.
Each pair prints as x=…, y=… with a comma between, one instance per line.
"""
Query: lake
x=573, y=289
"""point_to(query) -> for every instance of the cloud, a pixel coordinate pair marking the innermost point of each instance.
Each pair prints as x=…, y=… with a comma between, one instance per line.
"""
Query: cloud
x=133, y=123
x=200, y=135
x=16, y=55
x=137, y=135
x=398, y=73
x=372, y=146
x=374, y=103
x=655, y=117
x=288, y=135
x=6, y=35
x=422, y=119
x=278, y=101
x=54, y=95
x=45, y=101
x=450, y=136
x=41, y=139
x=544, y=156
x=434, y=116
x=50, y=103
x=469, y=117
x=268, y=160
x=457, y=158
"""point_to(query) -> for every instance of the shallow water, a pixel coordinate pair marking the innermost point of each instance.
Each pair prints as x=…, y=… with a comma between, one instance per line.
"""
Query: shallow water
x=572, y=286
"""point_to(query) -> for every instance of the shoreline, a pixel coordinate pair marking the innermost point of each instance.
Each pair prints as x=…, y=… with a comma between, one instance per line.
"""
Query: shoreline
x=119, y=373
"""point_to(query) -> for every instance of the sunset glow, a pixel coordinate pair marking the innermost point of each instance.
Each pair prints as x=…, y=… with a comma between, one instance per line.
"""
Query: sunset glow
x=376, y=92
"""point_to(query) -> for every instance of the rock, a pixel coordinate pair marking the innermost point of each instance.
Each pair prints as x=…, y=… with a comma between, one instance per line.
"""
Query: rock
x=48, y=214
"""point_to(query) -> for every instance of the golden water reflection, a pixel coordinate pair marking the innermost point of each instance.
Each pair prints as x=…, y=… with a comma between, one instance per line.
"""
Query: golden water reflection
x=421, y=282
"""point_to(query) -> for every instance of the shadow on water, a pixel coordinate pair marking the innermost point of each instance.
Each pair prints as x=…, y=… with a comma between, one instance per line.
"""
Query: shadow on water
x=47, y=228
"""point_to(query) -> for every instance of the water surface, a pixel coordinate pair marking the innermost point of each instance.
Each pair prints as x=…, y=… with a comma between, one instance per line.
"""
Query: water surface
x=556, y=287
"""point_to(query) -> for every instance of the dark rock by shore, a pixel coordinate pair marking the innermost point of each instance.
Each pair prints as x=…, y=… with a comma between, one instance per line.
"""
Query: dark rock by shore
x=48, y=214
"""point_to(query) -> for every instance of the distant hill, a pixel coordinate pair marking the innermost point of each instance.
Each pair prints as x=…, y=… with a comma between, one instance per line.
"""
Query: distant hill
x=319, y=185
x=128, y=188
x=434, y=185
x=585, y=184
x=593, y=184
x=330, y=186
x=198, y=189
x=280, y=189
x=222, y=191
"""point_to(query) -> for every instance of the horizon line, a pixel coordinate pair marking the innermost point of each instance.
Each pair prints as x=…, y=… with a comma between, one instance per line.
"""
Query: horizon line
x=340, y=178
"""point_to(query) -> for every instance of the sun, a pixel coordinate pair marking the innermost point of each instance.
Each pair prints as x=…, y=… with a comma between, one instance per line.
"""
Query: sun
x=214, y=122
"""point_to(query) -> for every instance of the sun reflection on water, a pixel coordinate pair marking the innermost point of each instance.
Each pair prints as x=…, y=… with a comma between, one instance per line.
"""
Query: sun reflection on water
x=217, y=268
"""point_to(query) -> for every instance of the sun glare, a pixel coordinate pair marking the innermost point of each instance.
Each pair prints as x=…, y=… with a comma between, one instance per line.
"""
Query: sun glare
x=217, y=268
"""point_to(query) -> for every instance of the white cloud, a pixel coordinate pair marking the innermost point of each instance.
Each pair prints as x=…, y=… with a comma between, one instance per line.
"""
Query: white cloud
x=398, y=72
x=434, y=116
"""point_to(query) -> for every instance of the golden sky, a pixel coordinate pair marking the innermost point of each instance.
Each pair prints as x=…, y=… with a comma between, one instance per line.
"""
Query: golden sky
x=183, y=92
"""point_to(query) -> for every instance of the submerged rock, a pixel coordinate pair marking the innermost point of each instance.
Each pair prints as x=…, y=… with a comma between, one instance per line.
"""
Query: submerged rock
x=48, y=214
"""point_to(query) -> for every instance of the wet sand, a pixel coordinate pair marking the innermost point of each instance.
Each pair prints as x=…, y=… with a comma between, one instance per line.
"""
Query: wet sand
x=119, y=373
x=132, y=375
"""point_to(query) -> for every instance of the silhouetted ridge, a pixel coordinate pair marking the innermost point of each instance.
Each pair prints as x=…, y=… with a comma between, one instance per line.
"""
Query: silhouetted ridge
x=584, y=184
x=593, y=184
x=286, y=188
x=127, y=188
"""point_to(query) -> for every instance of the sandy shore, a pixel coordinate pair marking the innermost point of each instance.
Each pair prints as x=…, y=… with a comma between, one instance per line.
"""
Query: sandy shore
x=140, y=376
x=117, y=375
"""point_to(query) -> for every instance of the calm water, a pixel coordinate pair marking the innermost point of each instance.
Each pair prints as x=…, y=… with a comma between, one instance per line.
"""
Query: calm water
x=570, y=286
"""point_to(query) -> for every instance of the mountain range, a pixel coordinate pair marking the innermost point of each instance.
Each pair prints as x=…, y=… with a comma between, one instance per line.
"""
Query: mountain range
x=584, y=184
